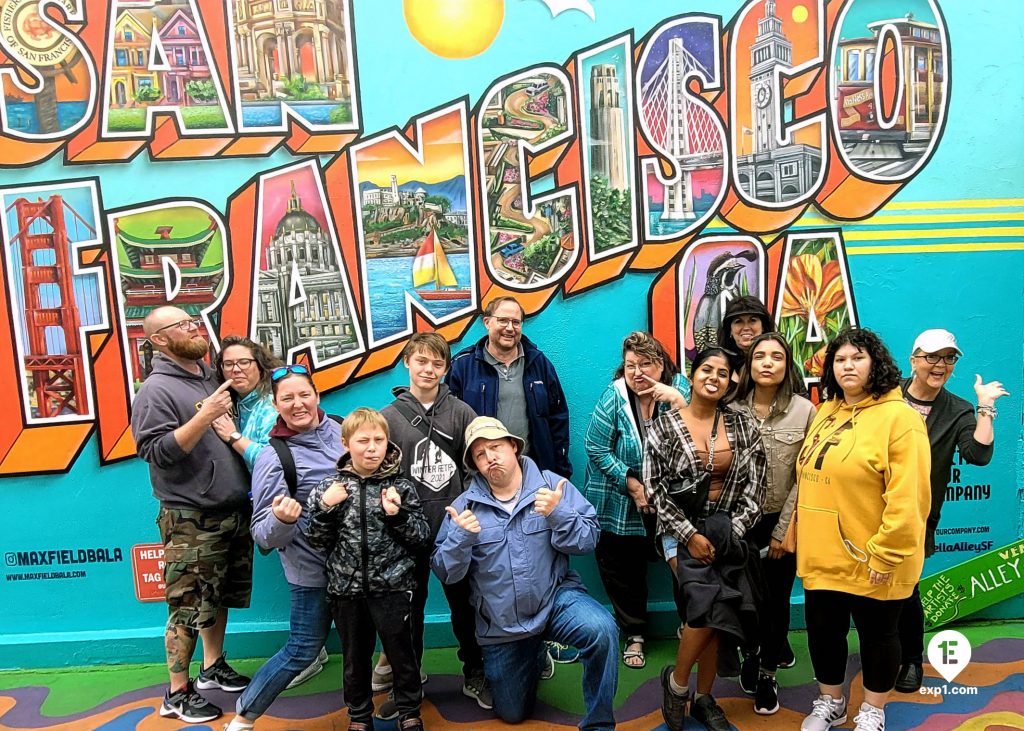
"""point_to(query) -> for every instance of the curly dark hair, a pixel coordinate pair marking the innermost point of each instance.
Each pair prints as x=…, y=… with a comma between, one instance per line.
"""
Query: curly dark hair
x=265, y=360
x=645, y=345
x=884, y=375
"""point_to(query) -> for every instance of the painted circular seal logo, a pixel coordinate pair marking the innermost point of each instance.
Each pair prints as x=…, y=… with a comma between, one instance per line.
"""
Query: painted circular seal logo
x=31, y=38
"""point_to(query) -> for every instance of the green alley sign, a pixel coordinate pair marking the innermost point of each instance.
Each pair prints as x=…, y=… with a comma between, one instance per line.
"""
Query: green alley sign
x=971, y=586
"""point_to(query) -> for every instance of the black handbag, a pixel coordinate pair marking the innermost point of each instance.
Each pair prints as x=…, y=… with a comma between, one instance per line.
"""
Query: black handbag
x=690, y=494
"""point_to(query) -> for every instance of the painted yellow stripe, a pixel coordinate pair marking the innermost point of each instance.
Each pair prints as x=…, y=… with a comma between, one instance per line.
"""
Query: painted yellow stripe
x=975, y=247
x=968, y=203
x=932, y=233
x=879, y=220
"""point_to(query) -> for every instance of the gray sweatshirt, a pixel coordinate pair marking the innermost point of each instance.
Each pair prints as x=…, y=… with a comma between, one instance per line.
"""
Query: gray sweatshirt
x=438, y=478
x=316, y=453
x=212, y=476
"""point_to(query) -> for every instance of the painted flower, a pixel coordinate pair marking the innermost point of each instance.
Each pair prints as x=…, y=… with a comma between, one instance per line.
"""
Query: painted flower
x=812, y=290
x=815, y=365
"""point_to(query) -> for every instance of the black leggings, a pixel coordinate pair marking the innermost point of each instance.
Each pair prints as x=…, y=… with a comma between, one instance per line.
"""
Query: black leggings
x=828, y=624
x=912, y=628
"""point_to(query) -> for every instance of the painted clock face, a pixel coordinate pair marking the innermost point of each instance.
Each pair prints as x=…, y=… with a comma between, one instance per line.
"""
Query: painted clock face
x=764, y=95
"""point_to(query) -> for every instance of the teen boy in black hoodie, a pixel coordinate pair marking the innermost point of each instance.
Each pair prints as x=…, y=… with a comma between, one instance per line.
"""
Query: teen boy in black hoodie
x=428, y=423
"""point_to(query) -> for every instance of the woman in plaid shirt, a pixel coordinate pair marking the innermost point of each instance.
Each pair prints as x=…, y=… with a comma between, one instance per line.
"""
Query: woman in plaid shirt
x=711, y=562
x=647, y=383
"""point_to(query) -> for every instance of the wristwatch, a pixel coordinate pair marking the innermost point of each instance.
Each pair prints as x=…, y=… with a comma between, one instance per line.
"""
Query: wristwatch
x=233, y=437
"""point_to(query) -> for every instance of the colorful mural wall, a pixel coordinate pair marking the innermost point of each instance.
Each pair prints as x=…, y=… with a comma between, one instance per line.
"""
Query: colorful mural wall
x=330, y=177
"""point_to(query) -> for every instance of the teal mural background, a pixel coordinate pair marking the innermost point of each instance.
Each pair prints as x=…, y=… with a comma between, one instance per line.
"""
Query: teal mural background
x=958, y=282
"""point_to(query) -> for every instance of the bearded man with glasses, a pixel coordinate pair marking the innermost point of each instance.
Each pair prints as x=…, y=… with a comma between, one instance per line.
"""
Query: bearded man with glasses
x=202, y=485
x=952, y=424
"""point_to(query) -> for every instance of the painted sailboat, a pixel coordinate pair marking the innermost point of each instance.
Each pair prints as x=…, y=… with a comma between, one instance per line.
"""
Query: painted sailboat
x=431, y=266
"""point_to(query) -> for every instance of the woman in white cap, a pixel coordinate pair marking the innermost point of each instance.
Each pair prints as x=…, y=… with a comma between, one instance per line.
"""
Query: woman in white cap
x=952, y=424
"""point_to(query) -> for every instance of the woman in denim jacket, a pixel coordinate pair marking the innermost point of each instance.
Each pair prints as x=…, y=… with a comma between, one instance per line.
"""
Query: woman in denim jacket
x=769, y=393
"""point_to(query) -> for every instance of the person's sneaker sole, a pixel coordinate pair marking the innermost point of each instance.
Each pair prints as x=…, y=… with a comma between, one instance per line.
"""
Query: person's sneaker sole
x=310, y=672
x=202, y=684
x=470, y=694
x=171, y=712
x=767, y=711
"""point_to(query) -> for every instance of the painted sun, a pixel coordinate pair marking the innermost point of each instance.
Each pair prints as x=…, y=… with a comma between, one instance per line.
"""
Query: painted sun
x=454, y=28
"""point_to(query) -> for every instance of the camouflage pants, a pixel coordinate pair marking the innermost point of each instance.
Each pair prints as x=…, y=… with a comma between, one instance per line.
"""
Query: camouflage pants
x=208, y=564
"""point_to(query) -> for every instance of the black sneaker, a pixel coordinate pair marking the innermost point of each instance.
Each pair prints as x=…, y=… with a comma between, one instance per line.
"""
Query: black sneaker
x=673, y=705
x=223, y=676
x=748, y=674
x=411, y=723
x=188, y=706
x=475, y=686
x=910, y=677
x=787, y=658
x=710, y=714
x=766, y=700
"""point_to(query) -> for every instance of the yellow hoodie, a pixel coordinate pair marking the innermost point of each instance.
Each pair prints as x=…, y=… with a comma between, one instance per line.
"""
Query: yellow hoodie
x=864, y=495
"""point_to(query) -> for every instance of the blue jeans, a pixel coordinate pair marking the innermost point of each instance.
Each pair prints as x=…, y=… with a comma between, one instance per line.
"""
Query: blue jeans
x=513, y=668
x=310, y=623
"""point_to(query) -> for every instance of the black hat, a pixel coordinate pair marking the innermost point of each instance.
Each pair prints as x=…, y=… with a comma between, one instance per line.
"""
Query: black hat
x=747, y=305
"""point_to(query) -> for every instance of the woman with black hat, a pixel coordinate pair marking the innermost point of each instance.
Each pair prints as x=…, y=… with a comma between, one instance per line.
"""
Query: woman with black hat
x=745, y=318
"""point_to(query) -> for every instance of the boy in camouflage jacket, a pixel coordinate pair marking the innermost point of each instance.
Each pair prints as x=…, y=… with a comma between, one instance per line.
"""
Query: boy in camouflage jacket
x=367, y=519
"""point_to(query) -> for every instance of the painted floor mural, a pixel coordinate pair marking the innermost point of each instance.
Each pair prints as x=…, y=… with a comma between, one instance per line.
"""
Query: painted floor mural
x=126, y=698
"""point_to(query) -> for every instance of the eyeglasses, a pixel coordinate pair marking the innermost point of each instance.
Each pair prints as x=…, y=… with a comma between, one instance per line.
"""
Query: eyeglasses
x=934, y=358
x=644, y=365
x=184, y=325
x=504, y=322
x=241, y=364
x=278, y=373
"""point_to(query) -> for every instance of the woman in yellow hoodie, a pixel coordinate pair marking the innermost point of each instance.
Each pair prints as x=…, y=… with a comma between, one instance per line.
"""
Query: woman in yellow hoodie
x=863, y=500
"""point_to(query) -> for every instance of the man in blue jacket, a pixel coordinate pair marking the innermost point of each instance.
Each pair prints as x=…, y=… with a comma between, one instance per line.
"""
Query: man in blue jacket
x=506, y=376
x=512, y=532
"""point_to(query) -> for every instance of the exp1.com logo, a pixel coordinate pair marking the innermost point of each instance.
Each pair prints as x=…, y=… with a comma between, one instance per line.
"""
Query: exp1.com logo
x=949, y=652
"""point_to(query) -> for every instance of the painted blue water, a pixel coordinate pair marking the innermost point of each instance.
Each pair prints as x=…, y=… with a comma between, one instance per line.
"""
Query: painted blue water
x=269, y=115
x=658, y=227
x=21, y=116
x=389, y=279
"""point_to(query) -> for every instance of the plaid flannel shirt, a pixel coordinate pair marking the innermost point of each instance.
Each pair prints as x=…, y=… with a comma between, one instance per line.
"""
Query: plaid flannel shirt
x=670, y=455
x=613, y=449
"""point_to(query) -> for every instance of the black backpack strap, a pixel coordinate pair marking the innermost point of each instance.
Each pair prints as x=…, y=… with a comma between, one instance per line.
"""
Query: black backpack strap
x=284, y=453
x=417, y=420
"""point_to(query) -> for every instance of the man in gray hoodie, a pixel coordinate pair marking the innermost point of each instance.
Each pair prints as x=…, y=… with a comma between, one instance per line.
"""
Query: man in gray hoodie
x=202, y=486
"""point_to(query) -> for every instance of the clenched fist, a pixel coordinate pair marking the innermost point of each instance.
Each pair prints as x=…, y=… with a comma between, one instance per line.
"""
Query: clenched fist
x=465, y=520
x=286, y=509
x=390, y=500
x=335, y=494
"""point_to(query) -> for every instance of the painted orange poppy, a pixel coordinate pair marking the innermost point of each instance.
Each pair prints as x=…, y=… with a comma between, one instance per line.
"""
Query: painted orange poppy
x=812, y=290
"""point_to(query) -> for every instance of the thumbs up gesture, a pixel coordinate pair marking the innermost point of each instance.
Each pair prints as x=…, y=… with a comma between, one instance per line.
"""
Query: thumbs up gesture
x=465, y=520
x=547, y=500
x=286, y=509
x=390, y=500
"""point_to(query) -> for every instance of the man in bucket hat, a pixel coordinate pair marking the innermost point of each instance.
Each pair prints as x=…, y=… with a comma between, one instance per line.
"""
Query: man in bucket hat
x=512, y=532
x=952, y=424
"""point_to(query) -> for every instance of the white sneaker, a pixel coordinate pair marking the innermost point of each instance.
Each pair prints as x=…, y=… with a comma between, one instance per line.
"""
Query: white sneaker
x=869, y=719
x=825, y=713
x=315, y=668
x=381, y=679
x=323, y=657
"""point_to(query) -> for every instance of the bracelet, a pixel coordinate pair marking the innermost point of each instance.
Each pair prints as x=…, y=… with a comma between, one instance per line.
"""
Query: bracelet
x=989, y=411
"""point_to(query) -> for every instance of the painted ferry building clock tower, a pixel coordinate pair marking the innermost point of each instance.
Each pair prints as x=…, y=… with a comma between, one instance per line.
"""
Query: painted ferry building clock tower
x=771, y=49
x=772, y=172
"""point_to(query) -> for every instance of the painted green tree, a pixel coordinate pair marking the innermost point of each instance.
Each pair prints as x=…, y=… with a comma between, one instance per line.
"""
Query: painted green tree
x=612, y=214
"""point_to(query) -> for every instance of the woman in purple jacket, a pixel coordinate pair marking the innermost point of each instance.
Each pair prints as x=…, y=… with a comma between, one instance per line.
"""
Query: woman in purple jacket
x=314, y=441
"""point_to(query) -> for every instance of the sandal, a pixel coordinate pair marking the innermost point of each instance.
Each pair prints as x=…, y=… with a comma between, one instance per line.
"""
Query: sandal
x=636, y=656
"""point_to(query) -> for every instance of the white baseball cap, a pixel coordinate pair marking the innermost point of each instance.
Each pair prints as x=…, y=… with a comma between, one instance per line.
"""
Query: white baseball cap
x=932, y=341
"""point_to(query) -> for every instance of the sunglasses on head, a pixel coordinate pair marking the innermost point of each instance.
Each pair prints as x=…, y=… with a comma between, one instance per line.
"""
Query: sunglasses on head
x=278, y=373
